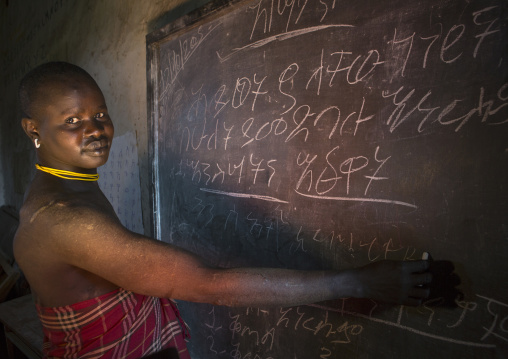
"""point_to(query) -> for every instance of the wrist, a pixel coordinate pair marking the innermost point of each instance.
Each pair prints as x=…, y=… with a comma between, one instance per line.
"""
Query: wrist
x=350, y=285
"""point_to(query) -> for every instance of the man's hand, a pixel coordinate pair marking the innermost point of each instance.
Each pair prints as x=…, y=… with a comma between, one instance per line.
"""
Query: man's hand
x=395, y=281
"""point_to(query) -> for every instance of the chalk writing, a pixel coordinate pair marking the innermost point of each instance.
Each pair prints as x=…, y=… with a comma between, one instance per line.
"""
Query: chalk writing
x=499, y=326
x=482, y=109
x=412, y=330
x=311, y=134
x=338, y=331
x=264, y=19
x=178, y=57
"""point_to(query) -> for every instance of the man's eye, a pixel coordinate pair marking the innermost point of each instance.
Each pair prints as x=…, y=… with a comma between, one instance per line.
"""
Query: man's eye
x=72, y=120
x=100, y=115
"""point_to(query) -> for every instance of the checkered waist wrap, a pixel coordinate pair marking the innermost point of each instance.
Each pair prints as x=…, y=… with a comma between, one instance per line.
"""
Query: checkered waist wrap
x=119, y=324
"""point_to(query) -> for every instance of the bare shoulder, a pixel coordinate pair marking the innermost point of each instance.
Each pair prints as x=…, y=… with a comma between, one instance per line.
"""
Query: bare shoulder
x=64, y=209
x=56, y=221
x=53, y=240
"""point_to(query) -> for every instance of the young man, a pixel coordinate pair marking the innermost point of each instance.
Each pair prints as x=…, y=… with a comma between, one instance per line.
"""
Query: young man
x=96, y=284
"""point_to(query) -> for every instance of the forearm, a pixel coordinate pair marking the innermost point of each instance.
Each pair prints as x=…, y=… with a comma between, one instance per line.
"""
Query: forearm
x=277, y=287
x=393, y=282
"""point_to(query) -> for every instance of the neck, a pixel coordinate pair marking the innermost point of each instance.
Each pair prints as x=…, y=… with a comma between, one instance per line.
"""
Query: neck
x=69, y=175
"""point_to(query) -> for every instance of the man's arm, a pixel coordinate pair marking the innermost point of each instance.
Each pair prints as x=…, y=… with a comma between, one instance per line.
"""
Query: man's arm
x=98, y=243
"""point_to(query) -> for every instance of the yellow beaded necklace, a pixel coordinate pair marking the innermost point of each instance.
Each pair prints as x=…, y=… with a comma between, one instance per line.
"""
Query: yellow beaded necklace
x=68, y=174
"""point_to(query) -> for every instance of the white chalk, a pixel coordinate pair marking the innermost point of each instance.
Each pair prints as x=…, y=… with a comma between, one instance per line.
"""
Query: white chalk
x=425, y=256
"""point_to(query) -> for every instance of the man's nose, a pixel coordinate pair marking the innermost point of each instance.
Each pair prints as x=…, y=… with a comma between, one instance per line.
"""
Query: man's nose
x=93, y=127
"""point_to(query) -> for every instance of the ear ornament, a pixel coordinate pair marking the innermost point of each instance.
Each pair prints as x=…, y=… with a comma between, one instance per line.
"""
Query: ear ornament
x=37, y=144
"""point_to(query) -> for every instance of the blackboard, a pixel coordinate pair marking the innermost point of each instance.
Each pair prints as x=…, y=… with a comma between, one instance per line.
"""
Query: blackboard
x=327, y=135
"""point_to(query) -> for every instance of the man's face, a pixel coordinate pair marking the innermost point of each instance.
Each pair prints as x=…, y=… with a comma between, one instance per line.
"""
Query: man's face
x=74, y=125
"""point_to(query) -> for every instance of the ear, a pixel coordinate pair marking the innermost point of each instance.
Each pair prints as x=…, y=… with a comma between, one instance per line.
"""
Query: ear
x=30, y=127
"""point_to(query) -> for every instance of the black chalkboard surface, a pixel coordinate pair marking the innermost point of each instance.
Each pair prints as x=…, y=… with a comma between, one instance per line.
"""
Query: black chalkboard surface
x=329, y=134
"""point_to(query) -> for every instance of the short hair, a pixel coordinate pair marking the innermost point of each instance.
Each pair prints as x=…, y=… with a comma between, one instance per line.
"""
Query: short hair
x=42, y=75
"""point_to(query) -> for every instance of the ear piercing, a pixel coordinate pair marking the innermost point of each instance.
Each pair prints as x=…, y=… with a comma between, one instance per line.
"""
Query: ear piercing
x=37, y=144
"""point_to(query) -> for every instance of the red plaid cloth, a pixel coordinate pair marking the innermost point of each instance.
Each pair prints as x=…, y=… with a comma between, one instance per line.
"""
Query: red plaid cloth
x=120, y=324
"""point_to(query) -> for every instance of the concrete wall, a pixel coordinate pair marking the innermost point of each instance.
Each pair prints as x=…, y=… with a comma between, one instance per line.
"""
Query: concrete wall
x=107, y=38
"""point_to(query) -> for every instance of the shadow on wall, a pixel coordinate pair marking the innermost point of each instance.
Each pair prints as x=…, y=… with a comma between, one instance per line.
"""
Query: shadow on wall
x=9, y=221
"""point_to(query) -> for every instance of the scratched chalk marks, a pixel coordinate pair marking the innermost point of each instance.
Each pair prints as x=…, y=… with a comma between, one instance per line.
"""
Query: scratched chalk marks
x=321, y=134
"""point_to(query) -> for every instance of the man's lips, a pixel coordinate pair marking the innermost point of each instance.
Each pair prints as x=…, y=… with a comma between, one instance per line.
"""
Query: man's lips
x=97, y=146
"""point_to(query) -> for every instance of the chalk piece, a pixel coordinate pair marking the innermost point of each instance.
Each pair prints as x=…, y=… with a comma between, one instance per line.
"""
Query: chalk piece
x=425, y=256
